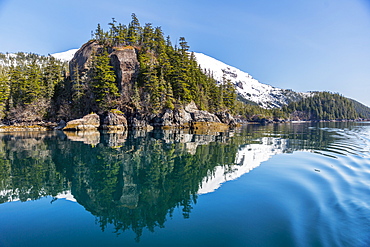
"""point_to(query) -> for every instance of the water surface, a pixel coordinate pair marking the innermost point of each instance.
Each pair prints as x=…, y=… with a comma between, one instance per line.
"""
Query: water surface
x=275, y=185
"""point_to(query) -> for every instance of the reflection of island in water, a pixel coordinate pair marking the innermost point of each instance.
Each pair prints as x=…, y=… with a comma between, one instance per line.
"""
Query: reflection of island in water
x=134, y=181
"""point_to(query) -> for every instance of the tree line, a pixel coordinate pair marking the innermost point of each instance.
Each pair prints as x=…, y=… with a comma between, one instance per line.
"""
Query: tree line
x=27, y=85
x=169, y=75
x=34, y=87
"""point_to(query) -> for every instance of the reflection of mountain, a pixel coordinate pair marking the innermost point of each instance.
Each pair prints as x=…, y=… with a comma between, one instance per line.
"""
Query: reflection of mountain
x=134, y=181
x=248, y=157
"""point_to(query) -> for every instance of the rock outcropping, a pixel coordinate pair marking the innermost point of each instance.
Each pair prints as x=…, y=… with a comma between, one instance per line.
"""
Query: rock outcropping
x=125, y=64
x=123, y=59
x=114, y=121
x=81, y=62
x=189, y=116
x=88, y=122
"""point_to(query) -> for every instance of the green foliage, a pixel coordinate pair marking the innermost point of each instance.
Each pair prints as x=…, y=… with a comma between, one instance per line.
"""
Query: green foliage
x=323, y=106
x=362, y=110
x=168, y=75
x=104, y=81
x=27, y=85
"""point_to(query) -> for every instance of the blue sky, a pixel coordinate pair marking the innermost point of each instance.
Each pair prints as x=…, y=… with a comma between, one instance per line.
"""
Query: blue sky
x=304, y=45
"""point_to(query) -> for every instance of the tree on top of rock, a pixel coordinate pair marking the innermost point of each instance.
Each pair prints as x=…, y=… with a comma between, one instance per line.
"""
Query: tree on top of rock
x=104, y=81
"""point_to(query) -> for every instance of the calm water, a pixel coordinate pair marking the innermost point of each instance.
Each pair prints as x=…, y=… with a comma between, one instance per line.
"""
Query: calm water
x=275, y=185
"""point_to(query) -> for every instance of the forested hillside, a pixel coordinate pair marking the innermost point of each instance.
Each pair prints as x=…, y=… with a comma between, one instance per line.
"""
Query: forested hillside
x=27, y=85
x=362, y=110
x=323, y=106
x=136, y=70
x=168, y=74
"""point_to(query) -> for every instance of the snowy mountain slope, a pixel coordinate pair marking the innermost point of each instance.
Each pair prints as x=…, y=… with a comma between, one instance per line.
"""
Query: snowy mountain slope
x=246, y=86
x=65, y=56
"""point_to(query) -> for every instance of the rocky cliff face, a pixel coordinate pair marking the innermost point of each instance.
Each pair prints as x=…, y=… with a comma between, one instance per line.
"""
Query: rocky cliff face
x=123, y=59
x=81, y=61
x=126, y=66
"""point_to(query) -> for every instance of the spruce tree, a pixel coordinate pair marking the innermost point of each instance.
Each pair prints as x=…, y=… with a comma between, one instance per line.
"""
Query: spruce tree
x=133, y=31
x=4, y=92
x=104, y=81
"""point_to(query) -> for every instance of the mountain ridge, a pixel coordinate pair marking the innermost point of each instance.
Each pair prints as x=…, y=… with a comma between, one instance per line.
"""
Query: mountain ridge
x=246, y=86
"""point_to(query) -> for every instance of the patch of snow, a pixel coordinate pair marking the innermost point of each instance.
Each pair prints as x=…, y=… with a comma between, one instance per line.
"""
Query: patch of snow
x=65, y=56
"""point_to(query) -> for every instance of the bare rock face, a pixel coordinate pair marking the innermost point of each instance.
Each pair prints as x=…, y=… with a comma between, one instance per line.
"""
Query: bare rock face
x=191, y=107
x=126, y=66
x=182, y=117
x=81, y=61
x=200, y=116
x=88, y=122
x=226, y=118
x=123, y=59
x=204, y=116
x=114, y=121
x=167, y=118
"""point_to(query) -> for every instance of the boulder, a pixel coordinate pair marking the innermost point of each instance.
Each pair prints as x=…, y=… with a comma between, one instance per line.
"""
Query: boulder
x=140, y=124
x=114, y=121
x=88, y=122
x=61, y=125
x=182, y=117
x=204, y=116
x=226, y=118
x=167, y=118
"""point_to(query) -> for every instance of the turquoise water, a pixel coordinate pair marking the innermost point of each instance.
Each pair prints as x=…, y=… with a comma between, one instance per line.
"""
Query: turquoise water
x=275, y=185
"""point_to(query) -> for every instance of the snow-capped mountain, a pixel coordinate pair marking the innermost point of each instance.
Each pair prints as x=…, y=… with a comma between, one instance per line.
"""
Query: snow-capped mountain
x=65, y=56
x=247, y=87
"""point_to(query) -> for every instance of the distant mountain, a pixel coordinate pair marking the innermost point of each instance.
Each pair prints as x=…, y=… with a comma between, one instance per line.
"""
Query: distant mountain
x=361, y=109
x=65, y=56
x=248, y=88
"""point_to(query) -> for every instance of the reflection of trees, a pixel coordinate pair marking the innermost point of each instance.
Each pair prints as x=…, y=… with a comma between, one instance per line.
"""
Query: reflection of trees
x=137, y=185
x=134, y=181
x=26, y=169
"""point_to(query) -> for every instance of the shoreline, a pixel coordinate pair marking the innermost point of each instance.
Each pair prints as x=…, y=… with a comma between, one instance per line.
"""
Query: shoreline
x=213, y=126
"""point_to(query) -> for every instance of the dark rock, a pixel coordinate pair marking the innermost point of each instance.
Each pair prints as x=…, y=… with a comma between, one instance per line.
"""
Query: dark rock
x=225, y=118
x=61, y=125
x=125, y=64
x=140, y=121
x=164, y=119
x=82, y=59
x=114, y=121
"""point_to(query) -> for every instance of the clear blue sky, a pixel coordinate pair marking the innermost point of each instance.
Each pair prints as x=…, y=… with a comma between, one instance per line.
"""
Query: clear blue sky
x=298, y=44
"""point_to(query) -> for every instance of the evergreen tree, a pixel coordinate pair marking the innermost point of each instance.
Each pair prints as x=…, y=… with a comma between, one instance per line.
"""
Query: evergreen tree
x=4, y=91
x=104, y=81
x=133, y=31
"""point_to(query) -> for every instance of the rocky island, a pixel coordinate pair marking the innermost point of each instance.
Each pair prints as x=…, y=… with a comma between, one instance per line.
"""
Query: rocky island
x=133, y=77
